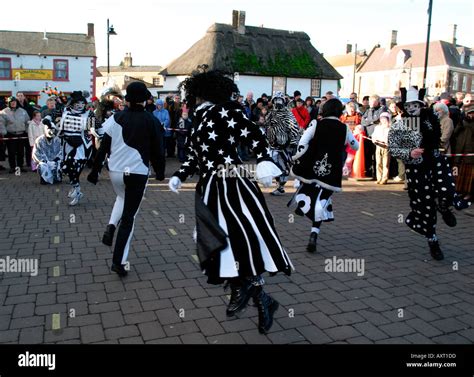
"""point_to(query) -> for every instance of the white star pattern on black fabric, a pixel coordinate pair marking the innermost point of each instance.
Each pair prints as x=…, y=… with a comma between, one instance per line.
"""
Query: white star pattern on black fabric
x=223, y=113
x=186, y=163
x=205, y=147
x=181, y=170
x=212, y=135
x=190, y=157
x=232, y=140
x=220, y=151
x=210, y=124
x=209, y=164
x=259, y=155
x=244, y=132
x=200, y=126
x=231, y=123
x=269, y=151
x=228, y=160
x=255, y=143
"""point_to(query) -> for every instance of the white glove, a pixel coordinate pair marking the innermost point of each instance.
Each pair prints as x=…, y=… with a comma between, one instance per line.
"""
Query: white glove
x=266, y=181
x=174, y=184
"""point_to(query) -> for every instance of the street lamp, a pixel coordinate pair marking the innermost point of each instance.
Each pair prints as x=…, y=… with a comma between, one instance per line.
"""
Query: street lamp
x=110, y=31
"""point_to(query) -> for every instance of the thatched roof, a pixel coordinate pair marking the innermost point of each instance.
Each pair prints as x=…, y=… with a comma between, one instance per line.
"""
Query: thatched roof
x=59, y=44
x=135, y=68
x=260, y=51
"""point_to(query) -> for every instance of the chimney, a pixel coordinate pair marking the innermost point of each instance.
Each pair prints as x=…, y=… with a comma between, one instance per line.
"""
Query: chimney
x=393, y=40
x=127, y=61
x=455, y=28
x=90, y=30
x=241, y=27
x=235, y=19
x=348, y=48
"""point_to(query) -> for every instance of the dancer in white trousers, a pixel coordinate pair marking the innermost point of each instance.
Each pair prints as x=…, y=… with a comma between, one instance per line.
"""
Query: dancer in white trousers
x=131, y=139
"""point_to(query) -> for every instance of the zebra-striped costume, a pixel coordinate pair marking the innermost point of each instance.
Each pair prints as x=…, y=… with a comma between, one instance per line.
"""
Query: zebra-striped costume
x=283, y=135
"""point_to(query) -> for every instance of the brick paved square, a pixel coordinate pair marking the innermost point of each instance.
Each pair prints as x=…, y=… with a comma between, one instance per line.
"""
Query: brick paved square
x=165, y=299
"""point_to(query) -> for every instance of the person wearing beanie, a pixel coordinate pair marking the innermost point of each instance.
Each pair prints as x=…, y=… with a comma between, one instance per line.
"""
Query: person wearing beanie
x=296, y=97
x=415, y=138
x=380, y=140
x=131, y=139
x=236, y=237
x=318, y=165
x=163, y=117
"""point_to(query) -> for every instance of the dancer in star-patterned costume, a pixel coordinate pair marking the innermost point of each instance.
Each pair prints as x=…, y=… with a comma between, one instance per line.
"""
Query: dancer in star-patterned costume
x=234, y=203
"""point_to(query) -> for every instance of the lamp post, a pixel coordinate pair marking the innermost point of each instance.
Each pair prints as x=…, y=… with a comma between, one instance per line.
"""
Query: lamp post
x=110, y=31
x=354, y=70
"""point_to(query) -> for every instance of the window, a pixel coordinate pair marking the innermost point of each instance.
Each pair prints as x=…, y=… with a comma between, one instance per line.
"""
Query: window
x=156, y=81
x=279, y=85
x=315, y=88
x=464, y=83
x=5, y=69
x=60, y=70
x=455, y=81
x=462, y=58
x=471, y=60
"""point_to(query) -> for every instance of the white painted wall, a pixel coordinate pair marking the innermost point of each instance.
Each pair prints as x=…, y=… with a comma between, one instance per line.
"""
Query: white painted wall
x=346, y=83
x=303, y=85
x=328, y=85
x=385, y=83
x=256, y=84
x=80, y=75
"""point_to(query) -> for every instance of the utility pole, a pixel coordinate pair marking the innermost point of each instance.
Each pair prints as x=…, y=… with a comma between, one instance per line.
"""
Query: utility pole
x=355, y=63
x=430, y=9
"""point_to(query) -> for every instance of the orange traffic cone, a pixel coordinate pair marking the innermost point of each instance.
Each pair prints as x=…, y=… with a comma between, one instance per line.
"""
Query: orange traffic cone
x=358, y=167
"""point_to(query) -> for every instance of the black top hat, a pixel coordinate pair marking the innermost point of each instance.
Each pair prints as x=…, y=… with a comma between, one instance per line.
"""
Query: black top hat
x=77, y=96
x=137, y=92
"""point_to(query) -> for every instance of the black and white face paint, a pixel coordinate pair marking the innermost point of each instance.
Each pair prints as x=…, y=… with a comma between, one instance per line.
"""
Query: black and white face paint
x=413, y=108
x=79, y=106
x=49, y=132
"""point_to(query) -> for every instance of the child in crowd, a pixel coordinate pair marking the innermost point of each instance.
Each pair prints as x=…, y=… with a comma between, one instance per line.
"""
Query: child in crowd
x=35, y=130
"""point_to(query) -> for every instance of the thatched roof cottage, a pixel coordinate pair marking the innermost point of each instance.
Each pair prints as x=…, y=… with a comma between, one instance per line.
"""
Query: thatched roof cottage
x=260, y=59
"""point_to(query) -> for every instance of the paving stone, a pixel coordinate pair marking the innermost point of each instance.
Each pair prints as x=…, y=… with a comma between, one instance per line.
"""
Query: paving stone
x=92, y=333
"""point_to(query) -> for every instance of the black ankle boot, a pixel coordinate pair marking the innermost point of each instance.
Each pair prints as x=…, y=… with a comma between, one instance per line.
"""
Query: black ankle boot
x=447, y=215
x=239, y=296
x=435, y=250
x=108, y=236
x=119, y=269
x=267, y=306
x=313, y=239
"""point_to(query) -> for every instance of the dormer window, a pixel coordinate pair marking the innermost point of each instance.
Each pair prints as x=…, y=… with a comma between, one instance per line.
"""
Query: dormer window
x=402, y=57
x=471, y=61
x=462, y=58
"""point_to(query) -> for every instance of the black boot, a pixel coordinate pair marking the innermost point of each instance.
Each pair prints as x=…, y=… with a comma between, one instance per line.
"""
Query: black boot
x=119, y=269
x=267, y=306
x=447, y=215
x=108, y=236
x=241, y=291
x=313, y=239
x=435, y=250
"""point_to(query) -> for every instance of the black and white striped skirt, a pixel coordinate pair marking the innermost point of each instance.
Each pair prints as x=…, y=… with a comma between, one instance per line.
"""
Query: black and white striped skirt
x=253, y=245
